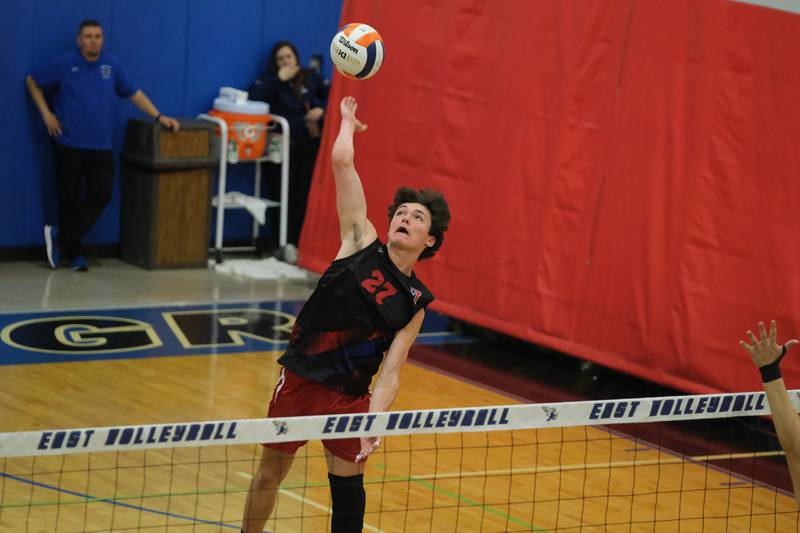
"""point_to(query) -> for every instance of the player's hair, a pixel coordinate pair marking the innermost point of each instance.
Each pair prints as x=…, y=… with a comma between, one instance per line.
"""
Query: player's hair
x=437, y=206
x=88, y=23
x=272, y=66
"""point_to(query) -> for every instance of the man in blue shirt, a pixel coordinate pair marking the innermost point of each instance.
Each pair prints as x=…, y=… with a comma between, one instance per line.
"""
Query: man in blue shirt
x=85, y=83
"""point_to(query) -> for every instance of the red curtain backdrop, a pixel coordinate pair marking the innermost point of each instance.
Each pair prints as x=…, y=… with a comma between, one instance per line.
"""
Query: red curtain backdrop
x=623, y=174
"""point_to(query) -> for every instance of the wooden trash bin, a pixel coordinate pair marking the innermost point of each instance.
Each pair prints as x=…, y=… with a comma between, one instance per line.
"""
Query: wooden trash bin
x=167, y=182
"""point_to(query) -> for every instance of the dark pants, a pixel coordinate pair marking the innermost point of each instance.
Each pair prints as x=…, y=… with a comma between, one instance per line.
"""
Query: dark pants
x=85, y=181
x=302, y=157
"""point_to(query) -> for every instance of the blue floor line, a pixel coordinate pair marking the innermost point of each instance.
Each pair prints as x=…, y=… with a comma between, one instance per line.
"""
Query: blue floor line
x=114, y=502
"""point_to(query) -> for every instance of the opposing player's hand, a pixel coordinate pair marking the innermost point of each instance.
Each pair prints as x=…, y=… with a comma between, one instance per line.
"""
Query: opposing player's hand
x=348, y=108
x=765, y=349
x=368, y=445
x=52, y=123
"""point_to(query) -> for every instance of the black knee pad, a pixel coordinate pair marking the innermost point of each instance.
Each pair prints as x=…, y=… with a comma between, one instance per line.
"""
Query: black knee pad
x=349, y=501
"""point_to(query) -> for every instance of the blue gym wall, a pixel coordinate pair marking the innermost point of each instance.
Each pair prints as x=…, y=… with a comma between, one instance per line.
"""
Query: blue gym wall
x=179, y=52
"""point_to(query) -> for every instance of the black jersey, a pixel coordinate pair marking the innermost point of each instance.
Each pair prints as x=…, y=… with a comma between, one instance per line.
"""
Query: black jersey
x=351, y=318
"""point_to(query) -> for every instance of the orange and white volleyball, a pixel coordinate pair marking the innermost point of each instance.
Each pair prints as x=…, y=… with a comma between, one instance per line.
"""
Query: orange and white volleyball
x=357, y=51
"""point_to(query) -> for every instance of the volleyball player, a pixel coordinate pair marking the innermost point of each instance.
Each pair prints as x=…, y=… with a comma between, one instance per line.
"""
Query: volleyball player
x=361, y=320
x=767, y=355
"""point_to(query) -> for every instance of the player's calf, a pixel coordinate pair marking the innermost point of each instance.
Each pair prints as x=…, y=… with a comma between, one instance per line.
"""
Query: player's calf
x=348, y=500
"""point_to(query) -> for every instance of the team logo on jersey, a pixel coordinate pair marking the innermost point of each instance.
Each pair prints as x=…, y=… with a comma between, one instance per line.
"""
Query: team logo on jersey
x=105, y=70
x=415, y=293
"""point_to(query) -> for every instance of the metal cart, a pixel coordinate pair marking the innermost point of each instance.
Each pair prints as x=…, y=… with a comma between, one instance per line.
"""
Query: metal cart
x=218, y=247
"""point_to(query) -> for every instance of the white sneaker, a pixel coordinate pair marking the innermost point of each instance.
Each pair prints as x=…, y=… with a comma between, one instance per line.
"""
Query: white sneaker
x=290, y=254
x=51, y=244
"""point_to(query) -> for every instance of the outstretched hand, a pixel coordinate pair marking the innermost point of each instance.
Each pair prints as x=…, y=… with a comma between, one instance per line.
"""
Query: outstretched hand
x=348, y=108
x=368, y=445
x=766, y=350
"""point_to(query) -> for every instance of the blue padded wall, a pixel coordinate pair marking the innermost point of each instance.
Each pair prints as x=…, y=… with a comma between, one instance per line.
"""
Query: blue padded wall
x=178, y=52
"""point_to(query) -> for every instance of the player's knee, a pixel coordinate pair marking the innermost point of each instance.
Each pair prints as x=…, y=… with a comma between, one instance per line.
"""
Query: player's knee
x=272, y=468
x=348, y=500
x=268, y=476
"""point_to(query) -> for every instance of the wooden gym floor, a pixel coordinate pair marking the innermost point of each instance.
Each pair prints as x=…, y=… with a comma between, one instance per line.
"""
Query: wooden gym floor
x=165, y=370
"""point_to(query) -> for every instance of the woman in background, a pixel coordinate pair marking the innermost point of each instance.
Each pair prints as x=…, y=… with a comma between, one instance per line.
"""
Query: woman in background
x=298, y=95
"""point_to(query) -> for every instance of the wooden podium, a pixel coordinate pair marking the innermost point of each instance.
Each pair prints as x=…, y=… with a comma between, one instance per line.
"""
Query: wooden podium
x=166, y=194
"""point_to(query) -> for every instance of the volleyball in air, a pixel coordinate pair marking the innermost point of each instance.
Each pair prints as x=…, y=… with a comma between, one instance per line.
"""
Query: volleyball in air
x=357, y=51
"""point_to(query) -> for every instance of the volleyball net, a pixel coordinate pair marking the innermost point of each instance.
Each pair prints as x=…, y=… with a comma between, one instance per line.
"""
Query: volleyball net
x=644, y=464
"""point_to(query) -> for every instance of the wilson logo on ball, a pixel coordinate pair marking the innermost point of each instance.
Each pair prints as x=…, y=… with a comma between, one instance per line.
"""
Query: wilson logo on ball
x=357, y=51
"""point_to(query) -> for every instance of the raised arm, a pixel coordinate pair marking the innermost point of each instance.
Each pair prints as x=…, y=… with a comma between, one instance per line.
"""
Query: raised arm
x=767, y=354
x=355, y=230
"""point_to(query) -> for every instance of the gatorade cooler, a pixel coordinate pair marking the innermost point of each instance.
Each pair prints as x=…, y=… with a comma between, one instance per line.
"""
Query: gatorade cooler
x=247, y=126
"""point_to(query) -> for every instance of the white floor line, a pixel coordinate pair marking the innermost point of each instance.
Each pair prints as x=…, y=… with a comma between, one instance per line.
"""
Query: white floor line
x=697, y=460
x=310, y=503
x=539, y=470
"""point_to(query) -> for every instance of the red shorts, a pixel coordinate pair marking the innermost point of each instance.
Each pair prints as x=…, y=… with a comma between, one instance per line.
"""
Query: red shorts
x=297, y=396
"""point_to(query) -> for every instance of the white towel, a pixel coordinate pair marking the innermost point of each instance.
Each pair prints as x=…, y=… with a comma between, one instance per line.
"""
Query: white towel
x=255, y=206
x=269, y=268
